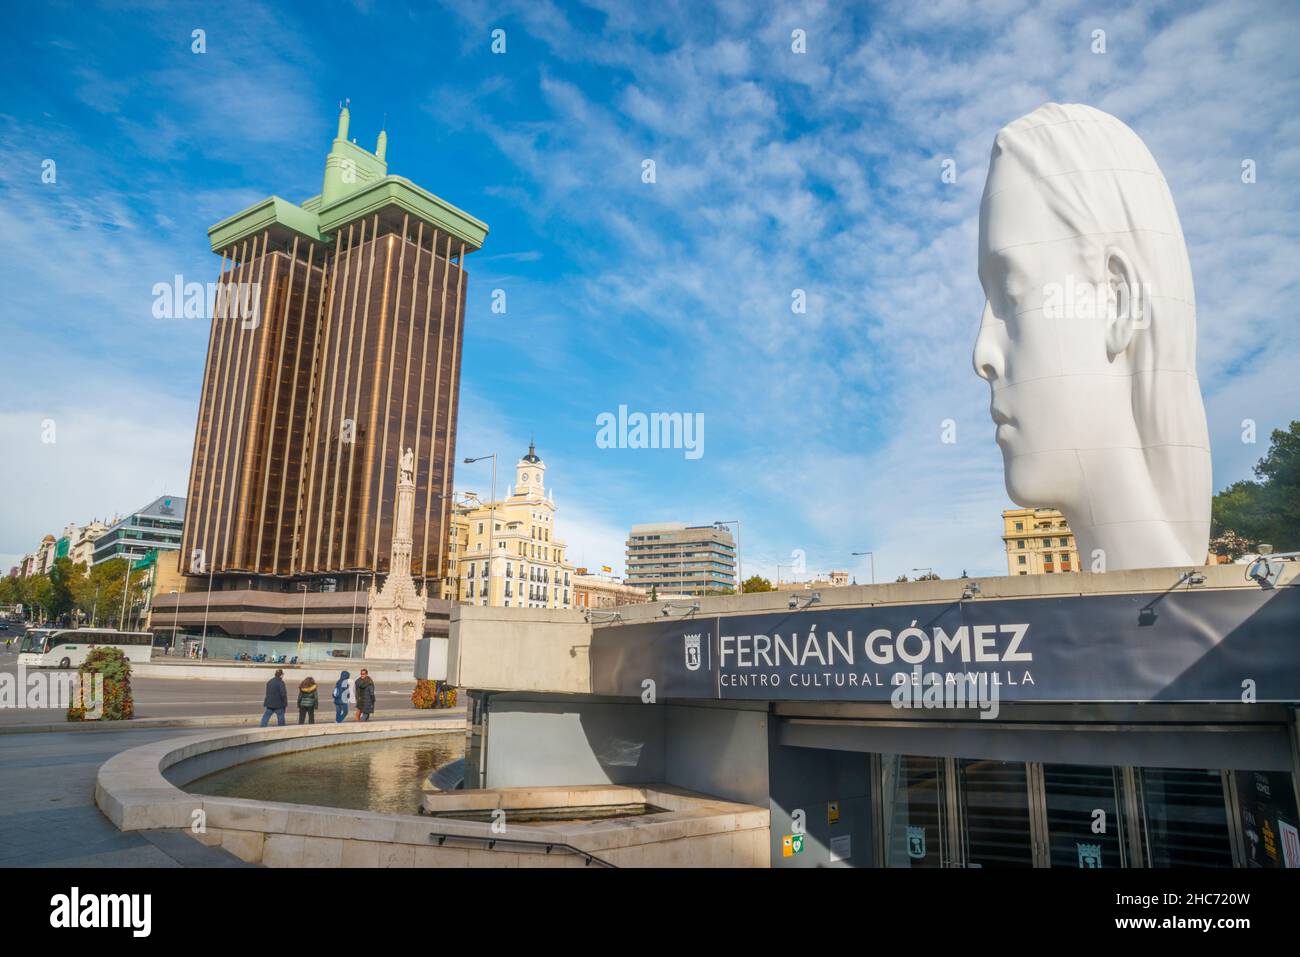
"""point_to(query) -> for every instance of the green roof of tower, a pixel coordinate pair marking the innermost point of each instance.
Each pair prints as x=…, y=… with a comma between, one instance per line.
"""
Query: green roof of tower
x=356, y=184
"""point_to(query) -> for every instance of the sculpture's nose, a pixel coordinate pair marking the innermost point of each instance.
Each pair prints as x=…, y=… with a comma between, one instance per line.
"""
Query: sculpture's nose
x=988, y=355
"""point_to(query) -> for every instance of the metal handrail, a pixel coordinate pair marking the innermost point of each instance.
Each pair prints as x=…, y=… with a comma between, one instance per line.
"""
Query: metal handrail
x=546, y=846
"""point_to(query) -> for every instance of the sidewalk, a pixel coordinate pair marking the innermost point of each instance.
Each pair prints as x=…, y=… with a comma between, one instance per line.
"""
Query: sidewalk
x=48, y=816
x=210, y=721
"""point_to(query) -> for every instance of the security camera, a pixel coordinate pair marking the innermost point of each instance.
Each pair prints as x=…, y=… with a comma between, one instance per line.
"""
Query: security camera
x=1261, y=570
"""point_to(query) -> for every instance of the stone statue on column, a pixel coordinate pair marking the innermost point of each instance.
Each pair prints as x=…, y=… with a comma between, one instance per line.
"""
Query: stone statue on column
x=396, y=616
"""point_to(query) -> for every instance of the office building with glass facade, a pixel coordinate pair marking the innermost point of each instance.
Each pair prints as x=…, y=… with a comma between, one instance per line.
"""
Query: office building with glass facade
x=156, y=527
x=335, y=345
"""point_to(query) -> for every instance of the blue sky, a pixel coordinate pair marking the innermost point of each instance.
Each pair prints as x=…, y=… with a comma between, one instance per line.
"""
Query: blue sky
x=775, y=171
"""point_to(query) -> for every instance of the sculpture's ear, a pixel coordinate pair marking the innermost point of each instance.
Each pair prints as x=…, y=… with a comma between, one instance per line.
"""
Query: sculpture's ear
x=1124, y=310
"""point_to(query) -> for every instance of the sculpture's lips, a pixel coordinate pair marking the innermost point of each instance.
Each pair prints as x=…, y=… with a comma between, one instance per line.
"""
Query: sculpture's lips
x=1000, y=417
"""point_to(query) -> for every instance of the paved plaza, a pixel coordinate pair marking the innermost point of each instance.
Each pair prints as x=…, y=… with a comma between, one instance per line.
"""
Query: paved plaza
x=48, y=816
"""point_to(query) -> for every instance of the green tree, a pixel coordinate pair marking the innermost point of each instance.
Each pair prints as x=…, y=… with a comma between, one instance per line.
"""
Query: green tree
x=97, y=593
x=62, y=578
x=1263, y=511
x=756, y=583
x=10, y=590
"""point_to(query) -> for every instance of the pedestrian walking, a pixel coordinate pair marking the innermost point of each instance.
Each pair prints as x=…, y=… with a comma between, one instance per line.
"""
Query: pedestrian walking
x=307, y=700
x=276, y=700
x=342, y=696
x=365, y=696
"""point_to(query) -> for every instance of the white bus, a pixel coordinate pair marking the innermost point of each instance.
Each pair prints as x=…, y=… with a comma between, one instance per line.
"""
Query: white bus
x=68, y=647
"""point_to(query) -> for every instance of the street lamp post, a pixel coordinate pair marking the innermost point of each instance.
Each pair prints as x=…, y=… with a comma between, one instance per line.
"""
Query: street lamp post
x=927, y=569
x=352, y=630
x=740, y=571
x=492, y=521
x=203, y=642
x=176, y=618
x=126, y=588
x=302, y=622
x=873, y=564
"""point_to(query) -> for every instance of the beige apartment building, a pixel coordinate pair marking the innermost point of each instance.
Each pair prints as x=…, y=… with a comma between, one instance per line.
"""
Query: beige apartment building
x=506, y=553
x=1038, y=542
x=604, y=591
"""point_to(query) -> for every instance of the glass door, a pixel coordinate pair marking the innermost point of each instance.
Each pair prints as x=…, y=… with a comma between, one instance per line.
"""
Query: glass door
x=1184, y=818
x=994, y=813
x=1082, y=814
x=915, y=806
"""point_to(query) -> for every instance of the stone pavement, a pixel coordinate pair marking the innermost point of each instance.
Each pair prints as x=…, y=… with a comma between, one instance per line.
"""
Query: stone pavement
x=48, y=816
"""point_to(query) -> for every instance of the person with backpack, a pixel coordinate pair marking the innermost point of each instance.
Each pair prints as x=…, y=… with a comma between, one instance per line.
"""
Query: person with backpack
x=342, y=697
x=307, y=700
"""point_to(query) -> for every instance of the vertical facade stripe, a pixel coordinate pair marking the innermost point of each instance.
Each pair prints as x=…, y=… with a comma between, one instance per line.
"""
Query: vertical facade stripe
x=437, y=397
x=277, y=371
x=448, y=469
x=195, y=491
x=241, y=472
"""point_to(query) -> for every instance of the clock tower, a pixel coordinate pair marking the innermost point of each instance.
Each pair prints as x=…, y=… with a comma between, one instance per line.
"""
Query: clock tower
x=530, y=475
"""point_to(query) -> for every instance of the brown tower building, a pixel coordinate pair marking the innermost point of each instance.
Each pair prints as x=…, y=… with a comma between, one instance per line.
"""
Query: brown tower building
x=336, y=342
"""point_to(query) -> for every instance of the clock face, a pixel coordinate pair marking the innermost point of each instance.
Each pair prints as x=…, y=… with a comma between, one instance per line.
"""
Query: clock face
x=523, y=477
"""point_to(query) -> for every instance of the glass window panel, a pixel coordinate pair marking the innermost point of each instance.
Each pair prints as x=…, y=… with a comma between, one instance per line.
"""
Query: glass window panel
x=995, y=813
x=1185, y=818
x=1081, y=799
x=913, y=790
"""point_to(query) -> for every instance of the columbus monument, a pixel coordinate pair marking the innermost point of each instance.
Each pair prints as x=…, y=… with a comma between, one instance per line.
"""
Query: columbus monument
x=396, y=617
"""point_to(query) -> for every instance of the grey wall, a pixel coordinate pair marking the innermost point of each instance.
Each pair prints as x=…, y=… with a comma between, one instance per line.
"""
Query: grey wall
x=536, y=740
x=807, y=779
x=720, y=751
x=542, y=743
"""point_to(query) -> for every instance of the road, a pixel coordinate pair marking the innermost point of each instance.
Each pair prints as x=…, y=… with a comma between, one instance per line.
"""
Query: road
x=184, y=697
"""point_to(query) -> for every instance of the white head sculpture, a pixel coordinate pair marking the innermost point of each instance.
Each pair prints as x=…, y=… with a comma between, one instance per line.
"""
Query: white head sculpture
x=1088, y=339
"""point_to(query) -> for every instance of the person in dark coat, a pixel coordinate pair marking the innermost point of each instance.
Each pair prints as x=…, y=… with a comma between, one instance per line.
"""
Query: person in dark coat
x=308, y=697
x=342, y=696
x=276, y=700
x=365, y=696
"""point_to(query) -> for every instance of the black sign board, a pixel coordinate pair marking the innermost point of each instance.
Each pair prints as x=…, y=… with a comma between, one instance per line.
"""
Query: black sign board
x=1236, y=645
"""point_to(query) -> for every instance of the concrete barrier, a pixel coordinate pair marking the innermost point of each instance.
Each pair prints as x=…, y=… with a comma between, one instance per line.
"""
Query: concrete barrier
x=253, y=672
x=204, y=721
